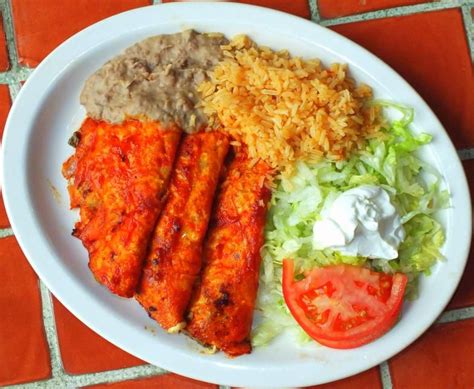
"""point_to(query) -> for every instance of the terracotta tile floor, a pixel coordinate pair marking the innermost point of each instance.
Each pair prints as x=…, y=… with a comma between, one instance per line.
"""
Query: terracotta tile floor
x=333, y=9
x=442, y=358
x=369, y=379
x=296, y=7
x=24, y=352
x=5, y=104
x=4, y=64
x=166, y=381
x=429, y=49
x=82, y=350
x=411, y=45
x=464, y=296
x=40, y=25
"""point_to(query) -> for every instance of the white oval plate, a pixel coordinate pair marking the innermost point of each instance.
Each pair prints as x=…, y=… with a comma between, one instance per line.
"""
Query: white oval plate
x=47, y=111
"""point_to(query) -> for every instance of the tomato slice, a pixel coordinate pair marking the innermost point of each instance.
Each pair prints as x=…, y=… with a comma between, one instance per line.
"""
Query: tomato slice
x=344, y=306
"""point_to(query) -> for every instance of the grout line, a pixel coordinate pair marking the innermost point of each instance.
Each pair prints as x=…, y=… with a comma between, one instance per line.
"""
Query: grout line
x=81, y=380
x=16, y=73
x=465, y=154
x=5, y=7
x=155, y=2
x=21, y=73
x=455, y=315
x=6, y=232
x=13, y=79
x=313, y=6
x=14, y=88
x=7, y=77
x=397, y=11
x=50, y=330
x=118, y=375
x=385, y=376
x=224, y=387
x=469, y=27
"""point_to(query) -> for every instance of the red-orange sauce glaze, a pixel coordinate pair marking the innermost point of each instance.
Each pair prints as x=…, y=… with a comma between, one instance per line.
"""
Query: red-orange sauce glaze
x=117, y=177
x=174, y=260
x=222, y=305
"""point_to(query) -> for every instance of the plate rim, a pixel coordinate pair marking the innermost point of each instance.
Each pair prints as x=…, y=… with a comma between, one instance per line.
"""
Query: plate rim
x=12, y=209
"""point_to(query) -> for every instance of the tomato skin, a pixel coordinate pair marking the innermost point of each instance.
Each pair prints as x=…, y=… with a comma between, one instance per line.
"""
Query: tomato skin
x=370, y=329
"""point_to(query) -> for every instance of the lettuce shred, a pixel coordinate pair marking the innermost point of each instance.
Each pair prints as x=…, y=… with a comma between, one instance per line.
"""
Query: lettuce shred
x=390, y=162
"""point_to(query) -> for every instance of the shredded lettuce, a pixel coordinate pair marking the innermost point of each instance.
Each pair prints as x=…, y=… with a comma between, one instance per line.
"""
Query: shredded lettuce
x=390, y=162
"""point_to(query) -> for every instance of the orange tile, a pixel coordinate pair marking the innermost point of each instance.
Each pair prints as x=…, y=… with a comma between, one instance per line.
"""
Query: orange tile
x=41, y=25
x=166, y=381
x=82, y=350
x=464, y=295
x=430, y=51
x=442, y=358
x=5, y=104
x=369, y=379
x=332, y=9
x=4, y=63
x=24, y=354
x=295, y=7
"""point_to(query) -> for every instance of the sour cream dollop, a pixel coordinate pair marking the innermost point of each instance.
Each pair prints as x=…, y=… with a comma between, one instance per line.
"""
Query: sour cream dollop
x=361, y=221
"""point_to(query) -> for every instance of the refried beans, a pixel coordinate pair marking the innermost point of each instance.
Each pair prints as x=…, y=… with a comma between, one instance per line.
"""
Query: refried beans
x=155, y=79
